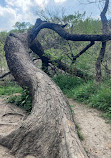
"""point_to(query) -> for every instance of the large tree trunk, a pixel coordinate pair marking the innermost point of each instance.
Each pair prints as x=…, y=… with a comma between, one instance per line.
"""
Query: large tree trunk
x=49, y=131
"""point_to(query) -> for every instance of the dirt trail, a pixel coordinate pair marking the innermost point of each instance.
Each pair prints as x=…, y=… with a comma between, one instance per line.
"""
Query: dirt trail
x=97, y=134
x=10, y=119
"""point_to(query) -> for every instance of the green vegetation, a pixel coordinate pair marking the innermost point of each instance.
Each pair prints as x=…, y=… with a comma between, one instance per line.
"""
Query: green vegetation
x=95, y=95
x=17, y=95
x=23, y=101
x=89, y=92
x=9, y=88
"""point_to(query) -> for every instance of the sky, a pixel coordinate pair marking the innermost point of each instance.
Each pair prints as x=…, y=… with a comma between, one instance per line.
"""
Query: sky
x=12, y=11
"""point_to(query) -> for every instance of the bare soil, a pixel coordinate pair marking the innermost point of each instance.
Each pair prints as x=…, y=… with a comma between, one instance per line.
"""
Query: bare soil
x=10, y=119
x=96, y=132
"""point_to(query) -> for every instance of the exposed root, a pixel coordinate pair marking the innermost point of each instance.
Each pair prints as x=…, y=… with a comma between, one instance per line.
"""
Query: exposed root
x=10, y=113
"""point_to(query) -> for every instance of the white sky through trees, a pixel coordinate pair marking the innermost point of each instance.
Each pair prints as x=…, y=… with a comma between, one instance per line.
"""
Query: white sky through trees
x=12, y=11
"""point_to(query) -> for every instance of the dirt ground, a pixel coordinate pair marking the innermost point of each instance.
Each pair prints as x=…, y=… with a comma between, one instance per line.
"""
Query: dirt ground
x=10, y=119
x=96, y=133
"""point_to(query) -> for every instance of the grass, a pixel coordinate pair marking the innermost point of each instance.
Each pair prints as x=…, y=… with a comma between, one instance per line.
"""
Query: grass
x=67, y=83
x=95, y=95
x=9, y=88
x=23, y=100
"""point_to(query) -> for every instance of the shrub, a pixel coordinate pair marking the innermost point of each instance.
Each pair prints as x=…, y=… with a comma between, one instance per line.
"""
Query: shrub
x=102, y=99
x=23, y=101
x=84, y=91
x=67, y=82
x=9, y=88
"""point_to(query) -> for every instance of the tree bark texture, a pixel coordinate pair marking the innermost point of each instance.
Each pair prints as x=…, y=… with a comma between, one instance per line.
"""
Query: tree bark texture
x=49, y=131
x=99, y=61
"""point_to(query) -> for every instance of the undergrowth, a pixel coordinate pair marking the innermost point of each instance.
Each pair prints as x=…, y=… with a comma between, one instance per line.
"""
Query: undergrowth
x=9, y=88
x=95, y=95
x=17, y=95
x=23, y=101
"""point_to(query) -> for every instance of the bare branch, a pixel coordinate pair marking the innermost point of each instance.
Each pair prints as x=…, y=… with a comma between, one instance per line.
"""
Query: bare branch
x=81, y=52
x=58, y=29
x=37, y=49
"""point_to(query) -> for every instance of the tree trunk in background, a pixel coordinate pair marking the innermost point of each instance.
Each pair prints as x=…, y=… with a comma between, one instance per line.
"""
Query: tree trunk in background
x=105, y=30
x=49, y=131
x=99, y=61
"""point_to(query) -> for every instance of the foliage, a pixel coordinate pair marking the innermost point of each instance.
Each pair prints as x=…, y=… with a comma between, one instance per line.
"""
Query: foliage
x=89, y=92
x=3, y=64
x=17, y=95
x=102, y=99
x=58, y=48
x=23, y=101
x=84, y=91
x=67, y=83
x=9, y=88
x=3, y=36
x=21, y=27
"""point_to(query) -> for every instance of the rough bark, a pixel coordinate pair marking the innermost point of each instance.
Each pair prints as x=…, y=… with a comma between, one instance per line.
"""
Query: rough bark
x=49, y=131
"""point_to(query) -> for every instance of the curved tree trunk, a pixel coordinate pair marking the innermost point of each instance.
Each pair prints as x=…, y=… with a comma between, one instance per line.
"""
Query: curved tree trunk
x=49, y=131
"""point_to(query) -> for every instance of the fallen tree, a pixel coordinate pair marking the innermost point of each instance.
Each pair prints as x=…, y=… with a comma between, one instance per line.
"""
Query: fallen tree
x=49, y=131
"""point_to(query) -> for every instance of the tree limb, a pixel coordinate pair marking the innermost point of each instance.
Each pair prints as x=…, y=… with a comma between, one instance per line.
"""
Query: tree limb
x=81, y=52
x=58, y=29
x=37, y=49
